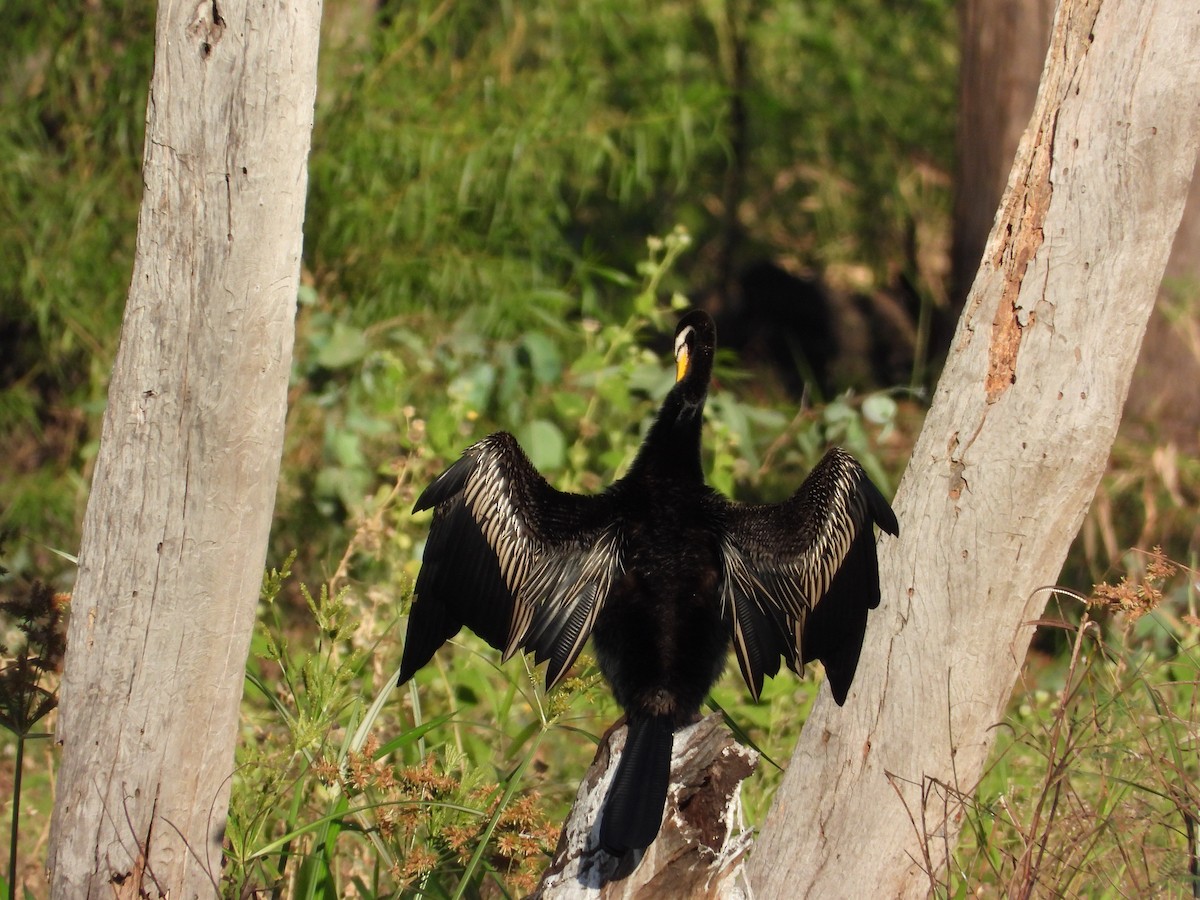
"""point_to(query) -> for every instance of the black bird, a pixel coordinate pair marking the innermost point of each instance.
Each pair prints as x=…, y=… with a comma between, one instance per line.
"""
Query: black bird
x=659, y=569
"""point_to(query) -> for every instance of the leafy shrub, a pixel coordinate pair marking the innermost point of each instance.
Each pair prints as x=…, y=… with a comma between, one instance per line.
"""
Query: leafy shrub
x=453, y=785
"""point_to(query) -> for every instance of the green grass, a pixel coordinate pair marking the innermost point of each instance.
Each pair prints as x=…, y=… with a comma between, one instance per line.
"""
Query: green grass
x=1091, y=790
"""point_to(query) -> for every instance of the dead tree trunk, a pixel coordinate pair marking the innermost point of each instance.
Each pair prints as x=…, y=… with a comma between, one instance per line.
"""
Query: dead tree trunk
x=1007, y=463
x=700, y=850
x=174, y=539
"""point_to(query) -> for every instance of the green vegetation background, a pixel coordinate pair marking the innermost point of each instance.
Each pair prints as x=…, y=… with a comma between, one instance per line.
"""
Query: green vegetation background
x=503, y=200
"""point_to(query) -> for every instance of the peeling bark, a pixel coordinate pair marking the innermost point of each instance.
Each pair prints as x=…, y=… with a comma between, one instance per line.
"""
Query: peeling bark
x=1030, y=192
x=699, y=852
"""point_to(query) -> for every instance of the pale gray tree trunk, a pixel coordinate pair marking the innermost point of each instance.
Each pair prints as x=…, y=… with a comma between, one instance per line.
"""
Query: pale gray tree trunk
x=1002, y=45
x=1008, y=461
x=175, y=535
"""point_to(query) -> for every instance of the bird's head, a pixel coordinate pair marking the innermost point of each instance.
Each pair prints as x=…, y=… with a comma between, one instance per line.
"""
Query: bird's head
x=695, y=343
x=673, y=443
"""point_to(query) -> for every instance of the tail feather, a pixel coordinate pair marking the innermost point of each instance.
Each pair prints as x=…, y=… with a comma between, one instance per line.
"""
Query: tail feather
x=634, y=808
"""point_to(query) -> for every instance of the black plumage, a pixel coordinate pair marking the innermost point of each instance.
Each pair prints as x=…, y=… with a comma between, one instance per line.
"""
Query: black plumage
x=660, y=570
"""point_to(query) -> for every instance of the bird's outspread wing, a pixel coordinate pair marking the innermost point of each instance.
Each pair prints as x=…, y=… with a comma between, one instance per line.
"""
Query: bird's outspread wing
x=799, y=576
x=521, y=564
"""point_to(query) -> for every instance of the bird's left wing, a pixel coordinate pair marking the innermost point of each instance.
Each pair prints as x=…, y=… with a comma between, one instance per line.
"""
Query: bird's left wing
x=521, y=564
x=799, y=576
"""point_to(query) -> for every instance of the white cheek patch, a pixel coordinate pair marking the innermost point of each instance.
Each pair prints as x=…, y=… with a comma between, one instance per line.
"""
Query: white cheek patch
x=681, y=340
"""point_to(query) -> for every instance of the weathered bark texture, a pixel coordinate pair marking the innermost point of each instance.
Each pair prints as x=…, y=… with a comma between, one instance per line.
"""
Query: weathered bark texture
x=1003, y=46
x=701, y=849
x=1003, y=43
x=1008, y=460
x=174, y=539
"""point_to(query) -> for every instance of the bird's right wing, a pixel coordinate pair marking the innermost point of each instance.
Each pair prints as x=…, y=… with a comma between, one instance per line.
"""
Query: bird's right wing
x=799, y=576
x=521, y=564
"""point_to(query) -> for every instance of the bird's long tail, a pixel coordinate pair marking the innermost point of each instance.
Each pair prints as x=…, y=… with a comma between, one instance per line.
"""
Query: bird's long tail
x=634, y=808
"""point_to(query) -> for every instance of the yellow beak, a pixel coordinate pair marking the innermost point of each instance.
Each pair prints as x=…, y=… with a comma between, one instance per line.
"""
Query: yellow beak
x=681, y=363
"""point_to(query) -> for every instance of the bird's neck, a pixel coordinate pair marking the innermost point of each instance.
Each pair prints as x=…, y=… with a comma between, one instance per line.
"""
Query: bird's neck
x=672, y=447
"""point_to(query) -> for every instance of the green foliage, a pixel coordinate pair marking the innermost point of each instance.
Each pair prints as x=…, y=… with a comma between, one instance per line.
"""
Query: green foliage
x=454, y=786
x=489, y=167
x=482, y=180
x=470, y=141
x=310, y=693
x=848, y=161
x=71, y=121
x=72, y=104
x=1092, y=788
x=320, y=803
x=493, y=157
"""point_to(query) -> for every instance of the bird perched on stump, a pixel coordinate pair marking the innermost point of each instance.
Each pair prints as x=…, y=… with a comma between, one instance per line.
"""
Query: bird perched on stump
x=660, y=570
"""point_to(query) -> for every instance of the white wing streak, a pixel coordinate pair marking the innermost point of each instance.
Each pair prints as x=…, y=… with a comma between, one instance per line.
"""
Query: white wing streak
x=553, y=556
x=780, y=561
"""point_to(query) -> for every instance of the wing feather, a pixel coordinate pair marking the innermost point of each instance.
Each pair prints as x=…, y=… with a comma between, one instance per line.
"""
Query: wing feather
x=800, y=576
x=521, y=564
x=571, y=587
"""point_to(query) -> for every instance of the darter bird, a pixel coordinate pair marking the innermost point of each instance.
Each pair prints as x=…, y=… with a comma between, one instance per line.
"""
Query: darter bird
x=660, y=570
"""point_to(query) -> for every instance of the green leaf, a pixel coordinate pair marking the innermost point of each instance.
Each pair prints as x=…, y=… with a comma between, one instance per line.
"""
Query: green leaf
x=545, y=361
x=474, y=387
x=306, y=295
x=838, y=412
x=879, y=409
x=412, y=735
x=345, y=347
x=544, y=443
x=345, y=448
x=569, y=405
